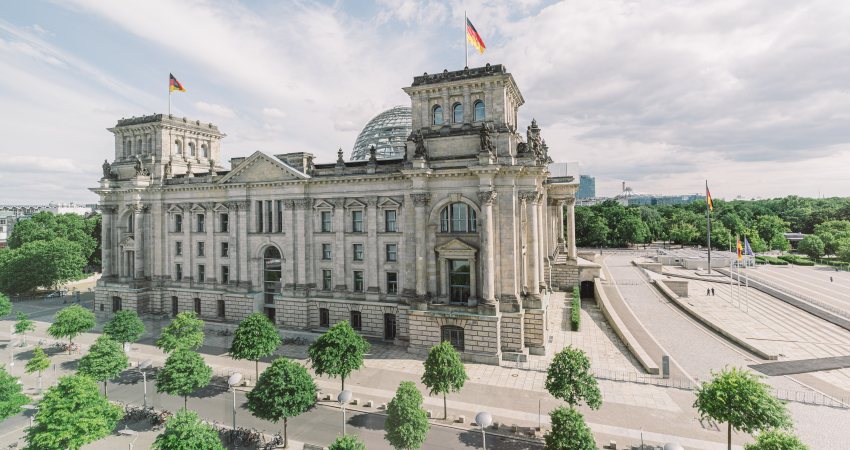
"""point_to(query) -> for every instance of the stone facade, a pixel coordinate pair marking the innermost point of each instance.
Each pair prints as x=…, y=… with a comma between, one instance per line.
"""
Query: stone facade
x=456, y=240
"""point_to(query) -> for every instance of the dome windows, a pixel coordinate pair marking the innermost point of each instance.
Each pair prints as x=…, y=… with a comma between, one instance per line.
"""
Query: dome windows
x=437, y=115
x=478, y=111
x=457, y=113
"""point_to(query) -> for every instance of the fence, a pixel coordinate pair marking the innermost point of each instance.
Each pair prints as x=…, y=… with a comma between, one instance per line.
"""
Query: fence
x=824, y=306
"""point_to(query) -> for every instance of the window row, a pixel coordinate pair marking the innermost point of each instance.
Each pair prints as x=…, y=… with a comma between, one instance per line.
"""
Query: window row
x=201, y=273
x=357, y=252
x=355, y=319
x=224, y=250
x=200, y=223
x=269, y=219
x=178, y=147
x=391, y=277
x=457, y=113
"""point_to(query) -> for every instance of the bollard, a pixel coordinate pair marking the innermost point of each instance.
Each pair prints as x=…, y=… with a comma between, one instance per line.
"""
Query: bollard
x=368, y=404
x=461, y=419
x=430, y=414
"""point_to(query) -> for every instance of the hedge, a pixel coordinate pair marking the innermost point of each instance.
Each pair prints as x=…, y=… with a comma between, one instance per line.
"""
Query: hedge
x=797, y=260
x=575, y=310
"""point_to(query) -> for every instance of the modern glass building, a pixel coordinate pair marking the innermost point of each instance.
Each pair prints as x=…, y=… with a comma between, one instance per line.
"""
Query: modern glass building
x=388, y=132
x=586, y=187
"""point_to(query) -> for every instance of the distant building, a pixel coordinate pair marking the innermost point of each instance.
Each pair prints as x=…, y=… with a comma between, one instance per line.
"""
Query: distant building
x=7, y=222
x=586, y=187
x=630, y=197
x=55, y=208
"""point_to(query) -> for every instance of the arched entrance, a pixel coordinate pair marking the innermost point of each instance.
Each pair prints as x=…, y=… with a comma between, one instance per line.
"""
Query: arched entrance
x=586, y=289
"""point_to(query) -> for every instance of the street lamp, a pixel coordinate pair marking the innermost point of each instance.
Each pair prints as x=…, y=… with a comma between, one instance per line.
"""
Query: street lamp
x=32, y=408
x=142, y=366
x=673, y=446
x=128, y=432
x=343, y=398
x=483, y=419
x=234, y=381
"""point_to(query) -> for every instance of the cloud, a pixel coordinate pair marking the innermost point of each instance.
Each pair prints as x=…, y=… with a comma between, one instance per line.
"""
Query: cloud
x=216, y=110
x=38, y=164
x=273, y=113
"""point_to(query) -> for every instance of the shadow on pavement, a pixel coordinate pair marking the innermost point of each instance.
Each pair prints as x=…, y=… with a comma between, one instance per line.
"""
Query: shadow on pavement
x=217, y=386
x=367, y=421
x=472, y=439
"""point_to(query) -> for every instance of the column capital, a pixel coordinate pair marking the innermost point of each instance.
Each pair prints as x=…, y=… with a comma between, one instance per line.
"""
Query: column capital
x=528, y=196
x=289, y=204
x=421, y=199
x=239, y=204
x=486, y=197
x=108, y=209
x=372, y=201
x=569, y=201
x=302, y=203
x=138, y=208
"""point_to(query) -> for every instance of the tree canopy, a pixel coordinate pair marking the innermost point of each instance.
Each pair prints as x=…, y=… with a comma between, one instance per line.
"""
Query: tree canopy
x=285, y=389
x=347, y=443
x=256, y=337
x=184, y=431
x=70, y=322
x=5, y=305
x=568, y=432
x=11, y=395
x=38, y=363
x=36, y=264
x=811, y=246
x=185, y=331
x=776, y=440
x=569, y=379
x=184, y=372
x=72, y=414
x=740, y=399
x=407, y=423
x=338, y=352
x=444, y=371
x=125, y=326
x=104, y=361
x=23, y=324
x=46, y=226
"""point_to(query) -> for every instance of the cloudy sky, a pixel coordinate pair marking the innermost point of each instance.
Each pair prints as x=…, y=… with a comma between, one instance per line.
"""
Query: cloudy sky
x=752, y=95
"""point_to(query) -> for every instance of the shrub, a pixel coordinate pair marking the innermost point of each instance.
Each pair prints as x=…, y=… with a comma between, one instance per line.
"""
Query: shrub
x=575, y=310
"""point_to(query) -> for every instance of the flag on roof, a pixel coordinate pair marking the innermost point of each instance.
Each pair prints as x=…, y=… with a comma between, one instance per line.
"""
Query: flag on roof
x=474, y=38
x=174, y=85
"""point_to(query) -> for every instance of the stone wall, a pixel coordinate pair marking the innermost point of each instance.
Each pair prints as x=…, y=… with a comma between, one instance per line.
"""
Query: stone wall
x=512, y=332
x=535, y=331
x=481, y=333
x=679, y=287
x=564, y=276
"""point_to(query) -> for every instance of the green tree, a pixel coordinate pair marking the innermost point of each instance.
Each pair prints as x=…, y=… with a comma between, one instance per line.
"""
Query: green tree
x=184, y=372
x=70, y=322
x=776, y=440
x=185, y=432
x=591, y=229
x=683, y=233
x=780, y=243
x=347, y=443
x=11, y=395
x=842, y=249
x=769, y=226
x=125, y=326
x=756, y=242
x=23, y=325
x=5, y=305
x=407, y=423
x=338, y=352
x=46, y=226
x=444, y=372
x=185, y=331
x=811, y=246
x=631, y=230
x=40, y=264
x=569, y=379
x=38, y=363
x=285, y=389
x=740, y=399
x=72, y=414
x=104, y=361
x=569, y=431
x=256, y=337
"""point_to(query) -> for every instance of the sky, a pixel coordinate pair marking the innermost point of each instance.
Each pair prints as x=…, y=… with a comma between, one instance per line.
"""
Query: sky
x=753, y=96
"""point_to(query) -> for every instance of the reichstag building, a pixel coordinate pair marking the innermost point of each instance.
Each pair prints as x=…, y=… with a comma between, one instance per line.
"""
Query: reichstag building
x=447, y=223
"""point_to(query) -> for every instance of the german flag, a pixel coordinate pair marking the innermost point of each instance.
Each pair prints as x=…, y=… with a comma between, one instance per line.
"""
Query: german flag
x=708, y=197
x=740, y=250
x=473, y=37
x=174, y=85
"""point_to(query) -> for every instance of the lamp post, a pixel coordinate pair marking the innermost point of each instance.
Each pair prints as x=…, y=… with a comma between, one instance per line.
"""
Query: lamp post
x=142, y=367
x=483, y=419
x=128, y=432
x=234, y=381
x=32, y=408
x=343, y=398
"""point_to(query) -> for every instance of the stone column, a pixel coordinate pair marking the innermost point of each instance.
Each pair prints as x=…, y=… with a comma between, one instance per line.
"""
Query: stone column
x=541, y=242
x=106, y=262
x=420, y=201
x=188, y=251
x=241, y=243
x=288, y=250
x=523, y=243
x=138, y=239
x=338, y=251
x=571, y=226
x=210, y=251
x=488, y=282
x=302, y=206
x=233, y=240
x=372, y=256
x=532, y=248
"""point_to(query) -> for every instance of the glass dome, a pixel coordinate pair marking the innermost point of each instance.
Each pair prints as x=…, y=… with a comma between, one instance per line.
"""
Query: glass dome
x=388, y=132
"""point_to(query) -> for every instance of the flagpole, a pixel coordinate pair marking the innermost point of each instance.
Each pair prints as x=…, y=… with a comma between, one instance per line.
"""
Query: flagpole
x=465, y=43
x=708, y=221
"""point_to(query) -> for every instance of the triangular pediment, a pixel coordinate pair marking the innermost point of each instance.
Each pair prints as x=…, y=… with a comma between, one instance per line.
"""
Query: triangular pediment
x=321, y=204
x=389, y=203
x=175, y=208
x=128, y=243
x=354, y=203
x=260, y=167
x=455, y=246
x=220, y=207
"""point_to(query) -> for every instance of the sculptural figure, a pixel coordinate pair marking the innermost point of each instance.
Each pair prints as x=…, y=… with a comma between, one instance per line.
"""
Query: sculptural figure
x=167, y=170
x=107, y=169
x=138, y=166
x=420, y=151
x=212, y=167
x=486, y=144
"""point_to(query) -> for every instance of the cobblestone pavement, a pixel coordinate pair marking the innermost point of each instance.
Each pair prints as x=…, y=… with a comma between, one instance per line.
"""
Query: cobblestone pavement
x=811, y=281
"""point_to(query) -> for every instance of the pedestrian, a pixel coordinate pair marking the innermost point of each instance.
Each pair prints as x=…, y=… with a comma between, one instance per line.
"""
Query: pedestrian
x=830, y=279
x=712, y=292
x=707, y=292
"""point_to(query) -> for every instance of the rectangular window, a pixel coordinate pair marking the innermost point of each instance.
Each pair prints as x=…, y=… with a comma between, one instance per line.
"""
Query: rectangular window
x=225, y=249
x=358, y=281
x=130, y=223
x=198, y=306
x=178, y=248
x=358, y=252
x=357, y=221
x=116, y=304
x=201, y=273
x=220, y=308
x=390, y=221
x=278, y=228
x=459, y=279
x=259, y=216
x=224, y=222
x=178, y=272
x=178, y=223
x=389, y=326
x=269, y=216
x=174, y=306
x=326, y=221
x=392, y=252
x=392, y=283
x=326, y=251
x=454, y=335
x=225, y=274
x=200, y=249
x=327, y=281
x=356, y=320
x=201, y=219
x=324, y=317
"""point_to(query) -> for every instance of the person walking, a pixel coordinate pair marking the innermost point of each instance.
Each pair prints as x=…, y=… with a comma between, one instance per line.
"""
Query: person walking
x=712, y=292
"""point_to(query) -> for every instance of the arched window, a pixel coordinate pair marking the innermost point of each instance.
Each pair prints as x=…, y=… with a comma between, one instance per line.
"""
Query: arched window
x=457, y=113
x=438, y=115
x=478, y=111
x=457, y=218
x=150, y=144
x=179, y=147
x=140, y=148
x=191, y=149
x=271, y=273
x=128, y=146
x=204, y=151
x=454, y=335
